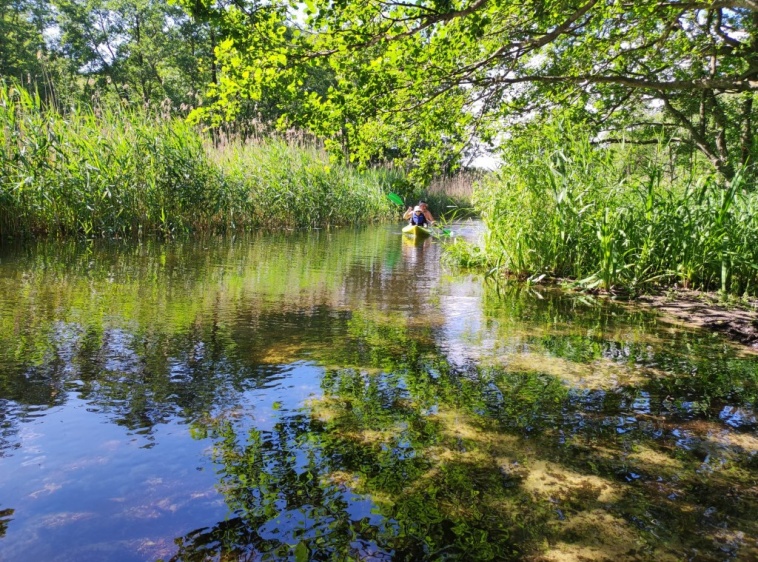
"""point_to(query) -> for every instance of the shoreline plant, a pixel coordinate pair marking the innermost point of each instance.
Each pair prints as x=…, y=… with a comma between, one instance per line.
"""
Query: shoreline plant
x=112, y=172
x=610, y=218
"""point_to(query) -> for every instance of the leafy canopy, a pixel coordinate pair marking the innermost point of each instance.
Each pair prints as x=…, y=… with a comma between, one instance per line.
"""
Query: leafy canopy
x=418, y=80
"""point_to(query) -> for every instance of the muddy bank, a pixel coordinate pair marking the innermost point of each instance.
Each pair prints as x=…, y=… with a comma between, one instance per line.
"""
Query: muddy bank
x=739, y=321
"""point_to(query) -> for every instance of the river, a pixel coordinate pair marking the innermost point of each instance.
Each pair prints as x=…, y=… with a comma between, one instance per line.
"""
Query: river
x=344, y=395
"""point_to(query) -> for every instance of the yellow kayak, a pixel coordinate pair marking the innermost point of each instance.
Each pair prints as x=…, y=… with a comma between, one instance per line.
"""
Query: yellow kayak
x=414, y=230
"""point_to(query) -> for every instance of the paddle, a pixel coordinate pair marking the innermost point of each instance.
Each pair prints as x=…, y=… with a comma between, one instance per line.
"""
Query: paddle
x=444, y=231
x=395, y=198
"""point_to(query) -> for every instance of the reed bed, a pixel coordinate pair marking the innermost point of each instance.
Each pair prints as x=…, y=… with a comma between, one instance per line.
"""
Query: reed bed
x=449, y=196
x=565, y=207
x=117, y=173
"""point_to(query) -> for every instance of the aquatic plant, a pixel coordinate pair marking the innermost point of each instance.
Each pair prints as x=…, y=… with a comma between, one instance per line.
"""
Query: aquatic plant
x=563, y=206
x=114, y=172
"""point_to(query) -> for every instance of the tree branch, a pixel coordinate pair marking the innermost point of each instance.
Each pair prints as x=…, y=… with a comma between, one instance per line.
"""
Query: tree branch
x=728, y=4
x=699, y=140
x=615, y=140
x=724, y=85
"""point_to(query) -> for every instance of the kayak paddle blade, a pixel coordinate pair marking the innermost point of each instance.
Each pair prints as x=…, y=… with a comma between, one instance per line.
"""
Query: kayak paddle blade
x=395, y=198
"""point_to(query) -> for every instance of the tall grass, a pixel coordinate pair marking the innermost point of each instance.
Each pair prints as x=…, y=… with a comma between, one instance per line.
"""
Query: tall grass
x=112, y=172
x=563, y=206
x=449, y=197
x=296, y=186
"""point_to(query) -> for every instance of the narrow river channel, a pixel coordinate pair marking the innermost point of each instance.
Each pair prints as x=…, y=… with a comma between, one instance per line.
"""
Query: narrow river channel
x=343, y=395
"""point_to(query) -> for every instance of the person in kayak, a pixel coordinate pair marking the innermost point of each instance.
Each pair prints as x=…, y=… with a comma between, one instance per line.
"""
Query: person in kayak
x=418, y=218
x=424, y=209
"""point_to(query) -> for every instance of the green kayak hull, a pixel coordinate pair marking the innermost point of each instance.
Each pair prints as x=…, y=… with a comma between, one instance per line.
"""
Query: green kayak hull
x=414, y=230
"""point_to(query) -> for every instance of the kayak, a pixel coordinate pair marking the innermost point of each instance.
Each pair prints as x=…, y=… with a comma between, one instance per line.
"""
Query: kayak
x=415, y=230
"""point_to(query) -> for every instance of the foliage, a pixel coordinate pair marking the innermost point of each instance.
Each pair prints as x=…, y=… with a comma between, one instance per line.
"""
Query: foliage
x=25, y=55
x=113, y=172
x=263, y=52
x=563, y=206
x=142, y=52
x=416, y=82
x=420, y=85
x=21, y=27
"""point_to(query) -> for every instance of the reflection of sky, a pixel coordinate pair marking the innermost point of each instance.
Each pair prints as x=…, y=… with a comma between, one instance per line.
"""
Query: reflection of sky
x=465, y=336
x=99, y=489
x=80, y=479
x=461, y=307
x=742, y=418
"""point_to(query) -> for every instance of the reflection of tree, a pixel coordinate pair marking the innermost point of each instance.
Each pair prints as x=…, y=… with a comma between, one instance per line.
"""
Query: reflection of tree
x=5, y=519
x=485, y=463
x=284, y=501
x=148, y=332
x=451, y=459
x=681, y=364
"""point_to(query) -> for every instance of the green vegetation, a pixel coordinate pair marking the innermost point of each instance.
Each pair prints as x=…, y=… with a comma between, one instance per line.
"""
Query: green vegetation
x=112, y=172
x=649, y=184
x=141, y=53
x=423, y=82
x=565, y=207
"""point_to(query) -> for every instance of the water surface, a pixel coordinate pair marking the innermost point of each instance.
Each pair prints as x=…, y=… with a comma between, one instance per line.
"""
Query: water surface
x=341, y=395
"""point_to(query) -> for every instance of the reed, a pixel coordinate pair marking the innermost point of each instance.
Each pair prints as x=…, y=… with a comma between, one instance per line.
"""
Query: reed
x=565, y=207
x=448, y=197
x=116, y=173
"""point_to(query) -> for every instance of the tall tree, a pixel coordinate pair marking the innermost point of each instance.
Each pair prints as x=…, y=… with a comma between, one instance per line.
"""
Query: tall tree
x=413, y=77
x=145, y=51
x=22, y=45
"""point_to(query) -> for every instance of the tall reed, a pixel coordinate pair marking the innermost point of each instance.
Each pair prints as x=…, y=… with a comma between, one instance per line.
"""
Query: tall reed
x=563, y=206
x=450, y=196
x=113, y=172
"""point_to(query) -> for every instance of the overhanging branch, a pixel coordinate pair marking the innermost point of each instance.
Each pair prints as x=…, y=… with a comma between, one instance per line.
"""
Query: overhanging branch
x=723, y=84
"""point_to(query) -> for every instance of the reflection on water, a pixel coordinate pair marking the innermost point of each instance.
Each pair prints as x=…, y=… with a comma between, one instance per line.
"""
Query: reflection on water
x=341, y=396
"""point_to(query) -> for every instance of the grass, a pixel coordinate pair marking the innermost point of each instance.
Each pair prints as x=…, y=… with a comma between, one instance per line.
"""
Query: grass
x=609, y=219
x=116, y=173
x=449, y=197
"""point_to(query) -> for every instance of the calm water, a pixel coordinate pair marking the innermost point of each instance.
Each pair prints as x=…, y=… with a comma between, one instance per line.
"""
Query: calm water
x=343, y=396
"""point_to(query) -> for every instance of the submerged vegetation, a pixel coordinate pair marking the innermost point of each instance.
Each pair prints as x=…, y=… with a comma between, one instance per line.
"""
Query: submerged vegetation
x=614, y=217
x=112, y=172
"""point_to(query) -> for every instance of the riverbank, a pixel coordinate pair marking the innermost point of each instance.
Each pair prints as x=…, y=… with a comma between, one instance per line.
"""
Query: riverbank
x=613, y=218
x=736, y=320
x=734, y=317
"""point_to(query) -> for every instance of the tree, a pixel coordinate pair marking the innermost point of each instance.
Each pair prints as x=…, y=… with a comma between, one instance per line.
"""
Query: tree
x=144, y=51
x=417, y=76
x=22, y=45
